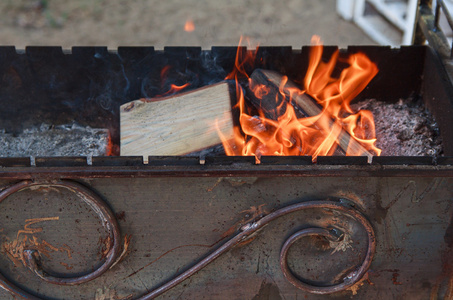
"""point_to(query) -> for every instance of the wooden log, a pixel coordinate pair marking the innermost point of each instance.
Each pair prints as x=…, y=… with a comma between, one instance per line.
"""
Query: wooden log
x=176, y=125
x=303, y=103
x=271, y=79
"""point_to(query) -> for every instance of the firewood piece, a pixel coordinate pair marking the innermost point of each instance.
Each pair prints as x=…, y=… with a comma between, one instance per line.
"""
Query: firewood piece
x=272, y=80
x=304, y=103
x=178, y=124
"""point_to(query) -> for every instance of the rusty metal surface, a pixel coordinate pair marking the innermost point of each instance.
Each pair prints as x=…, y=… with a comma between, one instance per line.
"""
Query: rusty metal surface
x=31, y=255
x=133, y=167
x=174, y=221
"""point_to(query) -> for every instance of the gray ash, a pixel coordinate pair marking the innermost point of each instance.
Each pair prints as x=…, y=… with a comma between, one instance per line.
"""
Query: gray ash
x=62, y=140
x=405, y=128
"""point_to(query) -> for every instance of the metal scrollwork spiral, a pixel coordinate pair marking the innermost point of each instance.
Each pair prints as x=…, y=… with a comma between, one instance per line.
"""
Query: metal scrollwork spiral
x=244, y=233
x=32, y=257
x=250, y=228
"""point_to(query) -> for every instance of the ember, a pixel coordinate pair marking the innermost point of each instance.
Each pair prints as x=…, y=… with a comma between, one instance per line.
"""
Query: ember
x=189, y=26
x=404, y=128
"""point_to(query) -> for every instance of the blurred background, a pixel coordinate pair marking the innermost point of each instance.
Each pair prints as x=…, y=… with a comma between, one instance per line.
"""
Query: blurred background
x=204, y=23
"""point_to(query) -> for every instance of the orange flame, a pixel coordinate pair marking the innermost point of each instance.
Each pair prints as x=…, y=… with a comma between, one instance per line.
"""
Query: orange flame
x=243, y=59
x=189, y=26
x=109, y=148
x=314, y=135
x=173, y=87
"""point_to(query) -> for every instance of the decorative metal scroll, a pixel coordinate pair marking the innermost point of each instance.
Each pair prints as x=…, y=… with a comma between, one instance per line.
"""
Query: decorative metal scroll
x=250, y=228
x=32, y=257
x=244, y=233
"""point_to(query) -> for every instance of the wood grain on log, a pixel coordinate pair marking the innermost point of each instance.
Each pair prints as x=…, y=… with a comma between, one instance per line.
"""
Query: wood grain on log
x=178, y=124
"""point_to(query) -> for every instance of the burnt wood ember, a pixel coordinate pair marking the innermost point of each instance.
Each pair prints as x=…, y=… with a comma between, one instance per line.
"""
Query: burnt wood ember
x=405, y=128
x=272, y=102
x=265, y=95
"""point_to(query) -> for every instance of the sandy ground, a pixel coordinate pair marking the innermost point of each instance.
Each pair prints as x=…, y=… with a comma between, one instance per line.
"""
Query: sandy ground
x=116, y=23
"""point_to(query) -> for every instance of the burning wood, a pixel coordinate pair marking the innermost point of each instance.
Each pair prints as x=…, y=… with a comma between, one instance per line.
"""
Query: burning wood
x=275, y=101
x=324, y=128
x=272, y=92
x=177, y=125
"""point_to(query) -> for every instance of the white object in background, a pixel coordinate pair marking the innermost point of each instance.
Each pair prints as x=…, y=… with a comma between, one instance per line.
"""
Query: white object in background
x=394, y=23
x=345, y=8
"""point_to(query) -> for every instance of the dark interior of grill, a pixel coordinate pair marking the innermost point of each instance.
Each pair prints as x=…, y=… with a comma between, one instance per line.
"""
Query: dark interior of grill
x=88, y=84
